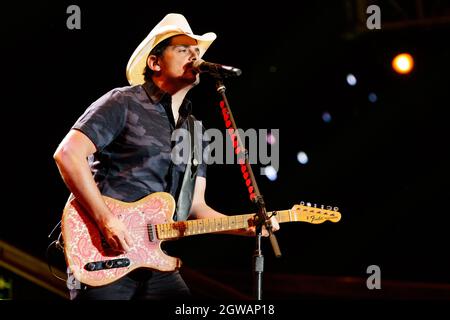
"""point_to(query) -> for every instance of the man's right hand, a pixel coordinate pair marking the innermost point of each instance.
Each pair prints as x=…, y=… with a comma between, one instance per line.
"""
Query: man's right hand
x=116, y=234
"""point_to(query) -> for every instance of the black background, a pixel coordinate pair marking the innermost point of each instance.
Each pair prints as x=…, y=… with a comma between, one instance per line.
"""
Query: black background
x=384, y=164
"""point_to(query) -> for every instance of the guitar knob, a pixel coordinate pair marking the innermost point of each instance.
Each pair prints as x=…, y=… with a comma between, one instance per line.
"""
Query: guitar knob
x=109, y=264
x=91, y=266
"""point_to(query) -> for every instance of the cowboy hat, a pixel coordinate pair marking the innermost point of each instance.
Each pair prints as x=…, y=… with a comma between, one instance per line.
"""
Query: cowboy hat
x=171, y=25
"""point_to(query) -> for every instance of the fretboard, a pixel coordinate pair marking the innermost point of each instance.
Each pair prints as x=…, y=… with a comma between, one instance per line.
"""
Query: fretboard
x=210, y=225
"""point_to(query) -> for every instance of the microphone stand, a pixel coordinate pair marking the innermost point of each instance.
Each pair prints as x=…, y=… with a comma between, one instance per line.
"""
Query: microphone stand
x=261, y=218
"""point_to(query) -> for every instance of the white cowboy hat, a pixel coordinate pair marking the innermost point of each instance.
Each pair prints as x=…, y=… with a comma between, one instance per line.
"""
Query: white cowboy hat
x=171, y=25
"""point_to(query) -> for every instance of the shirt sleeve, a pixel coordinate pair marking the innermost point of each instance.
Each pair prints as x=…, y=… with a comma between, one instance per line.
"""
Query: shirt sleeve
x=104, y=119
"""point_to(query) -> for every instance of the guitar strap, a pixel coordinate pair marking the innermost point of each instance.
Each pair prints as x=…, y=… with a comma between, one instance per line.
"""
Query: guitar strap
x=186, y=192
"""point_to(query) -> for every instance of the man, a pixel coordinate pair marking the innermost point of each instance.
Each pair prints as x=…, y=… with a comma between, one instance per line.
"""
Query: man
x=126, y=135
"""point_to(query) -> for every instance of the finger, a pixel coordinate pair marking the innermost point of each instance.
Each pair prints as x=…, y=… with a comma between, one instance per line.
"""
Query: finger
x=275, y=224
x=129, y=240
x=123, y=244
x=114, y=244
x=118, y=244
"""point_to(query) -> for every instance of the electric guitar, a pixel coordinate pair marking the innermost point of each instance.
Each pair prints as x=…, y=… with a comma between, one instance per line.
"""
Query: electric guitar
x=149, y=222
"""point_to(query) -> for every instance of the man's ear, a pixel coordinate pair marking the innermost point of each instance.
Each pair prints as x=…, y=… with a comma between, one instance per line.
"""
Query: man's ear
x=153, y=63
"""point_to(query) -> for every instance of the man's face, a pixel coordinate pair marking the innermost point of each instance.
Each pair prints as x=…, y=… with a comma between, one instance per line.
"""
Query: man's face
x=176, y=61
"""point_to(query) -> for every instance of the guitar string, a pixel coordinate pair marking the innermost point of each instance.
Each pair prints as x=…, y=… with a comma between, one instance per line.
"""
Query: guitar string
x=191, y=223
x=213, y=222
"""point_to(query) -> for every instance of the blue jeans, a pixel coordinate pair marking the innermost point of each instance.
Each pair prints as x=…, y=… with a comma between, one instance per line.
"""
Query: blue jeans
x=141, y=284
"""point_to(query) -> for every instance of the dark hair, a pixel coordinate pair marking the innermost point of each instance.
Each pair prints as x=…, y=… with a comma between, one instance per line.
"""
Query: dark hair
x=157, y=51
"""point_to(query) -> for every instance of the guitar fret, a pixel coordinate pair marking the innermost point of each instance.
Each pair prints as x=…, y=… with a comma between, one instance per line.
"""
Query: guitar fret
x=216, y=224
x=191, y=227
x=188, y=230
x=165, y=230
x=194, y=225
x=161, y=231
x=201, y=228
x=239, y=222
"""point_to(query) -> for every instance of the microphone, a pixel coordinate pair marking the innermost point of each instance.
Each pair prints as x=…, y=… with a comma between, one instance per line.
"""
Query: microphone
x=215, y=69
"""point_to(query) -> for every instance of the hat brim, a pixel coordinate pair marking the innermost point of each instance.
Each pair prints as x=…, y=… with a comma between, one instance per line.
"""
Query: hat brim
x=138, y=59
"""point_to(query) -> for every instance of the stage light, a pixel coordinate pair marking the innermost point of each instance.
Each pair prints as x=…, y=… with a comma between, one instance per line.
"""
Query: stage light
x=270, y=173
x=373, y=97
x=302, y=157
x=326, y=116
x=271, y=139
x=351, y=79
x=403, y=63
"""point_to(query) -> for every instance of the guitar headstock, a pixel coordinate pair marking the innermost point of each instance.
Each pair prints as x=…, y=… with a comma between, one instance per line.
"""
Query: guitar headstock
x=307, y=212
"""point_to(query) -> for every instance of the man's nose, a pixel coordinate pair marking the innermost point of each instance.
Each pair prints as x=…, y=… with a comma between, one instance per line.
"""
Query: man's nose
x=194, y=54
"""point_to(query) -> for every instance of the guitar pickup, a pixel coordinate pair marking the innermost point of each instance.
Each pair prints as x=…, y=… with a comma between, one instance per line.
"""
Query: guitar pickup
x=107, y=264
x=151, y=232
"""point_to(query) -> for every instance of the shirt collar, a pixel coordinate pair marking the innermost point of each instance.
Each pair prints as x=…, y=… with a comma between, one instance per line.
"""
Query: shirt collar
x=154, y=92
x=156, y=95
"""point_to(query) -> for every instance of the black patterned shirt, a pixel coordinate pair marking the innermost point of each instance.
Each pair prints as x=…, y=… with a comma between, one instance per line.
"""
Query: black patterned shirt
x=131, y=128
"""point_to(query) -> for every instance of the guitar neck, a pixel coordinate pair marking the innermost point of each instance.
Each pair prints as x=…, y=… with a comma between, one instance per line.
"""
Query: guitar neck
x=211, y=225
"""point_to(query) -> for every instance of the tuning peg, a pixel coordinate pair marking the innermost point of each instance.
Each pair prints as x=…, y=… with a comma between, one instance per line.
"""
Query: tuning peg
x=302, y=203
x=335, y=209
x=308, y=204
x=329, y=208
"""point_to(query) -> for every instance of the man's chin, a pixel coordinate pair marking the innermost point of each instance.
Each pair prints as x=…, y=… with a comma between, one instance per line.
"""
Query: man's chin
x=197, y=80
x=194, y=80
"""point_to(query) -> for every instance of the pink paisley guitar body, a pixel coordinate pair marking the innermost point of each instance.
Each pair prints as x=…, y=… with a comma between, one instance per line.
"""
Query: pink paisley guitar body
x=149, y=223
x=94, y=263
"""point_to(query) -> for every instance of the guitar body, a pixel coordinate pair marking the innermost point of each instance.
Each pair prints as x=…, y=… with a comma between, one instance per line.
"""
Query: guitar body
x=90, y=258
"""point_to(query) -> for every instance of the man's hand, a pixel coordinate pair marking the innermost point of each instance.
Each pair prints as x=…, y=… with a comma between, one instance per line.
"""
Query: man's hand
x=116, y=234
x=252, y=229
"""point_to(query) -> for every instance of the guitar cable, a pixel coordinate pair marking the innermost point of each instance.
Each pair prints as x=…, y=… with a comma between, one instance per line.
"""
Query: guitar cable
x=58, y=245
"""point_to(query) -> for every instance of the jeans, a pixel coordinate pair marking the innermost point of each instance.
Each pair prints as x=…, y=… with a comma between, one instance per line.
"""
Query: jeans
x=141, y=284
